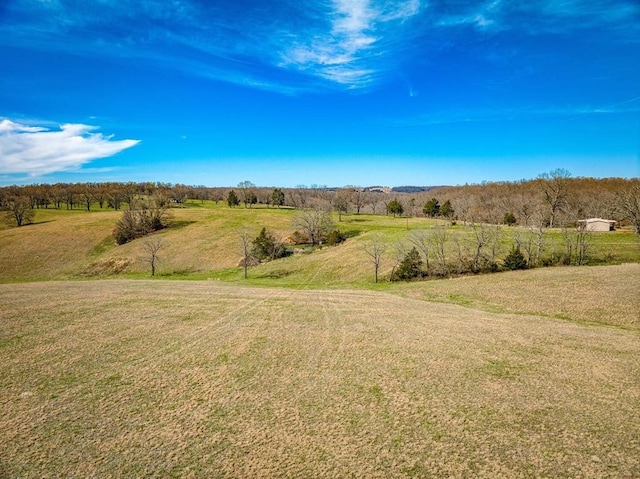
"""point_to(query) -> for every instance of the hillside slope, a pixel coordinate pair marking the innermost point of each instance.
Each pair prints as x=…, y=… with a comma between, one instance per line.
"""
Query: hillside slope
x=204, y=241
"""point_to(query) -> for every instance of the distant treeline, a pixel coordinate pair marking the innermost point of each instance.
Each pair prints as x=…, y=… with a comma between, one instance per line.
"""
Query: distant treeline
x=552, y=199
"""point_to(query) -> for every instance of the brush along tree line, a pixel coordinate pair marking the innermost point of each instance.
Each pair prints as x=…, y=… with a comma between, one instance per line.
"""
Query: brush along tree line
x=445, y=251
x=554, y=199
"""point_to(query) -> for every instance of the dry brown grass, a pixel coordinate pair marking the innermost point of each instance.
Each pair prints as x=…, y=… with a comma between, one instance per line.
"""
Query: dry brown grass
x=602, y=294
x=200, y=379
x=71, y=244
x=56, y=247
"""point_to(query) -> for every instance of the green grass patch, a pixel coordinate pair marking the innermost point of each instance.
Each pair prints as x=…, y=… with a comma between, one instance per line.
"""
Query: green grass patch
x=204, y=241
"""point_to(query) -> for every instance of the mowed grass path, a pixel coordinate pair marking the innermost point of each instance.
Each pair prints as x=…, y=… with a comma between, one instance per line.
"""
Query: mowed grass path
x=128, y=378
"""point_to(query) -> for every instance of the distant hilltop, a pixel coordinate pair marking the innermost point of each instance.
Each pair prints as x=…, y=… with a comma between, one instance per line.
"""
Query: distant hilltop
x=400, y=189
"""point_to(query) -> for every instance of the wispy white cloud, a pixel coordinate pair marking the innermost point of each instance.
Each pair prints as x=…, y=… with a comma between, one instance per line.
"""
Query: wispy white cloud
x=295, y=46
x=37, y=150
x=481, y=15
x=352, y=49
x=535, y=17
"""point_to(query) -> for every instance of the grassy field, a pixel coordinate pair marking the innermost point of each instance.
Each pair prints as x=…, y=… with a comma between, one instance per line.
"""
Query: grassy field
x=204, y=243
x=123, y=378
x=308, y=368
x=595, y=294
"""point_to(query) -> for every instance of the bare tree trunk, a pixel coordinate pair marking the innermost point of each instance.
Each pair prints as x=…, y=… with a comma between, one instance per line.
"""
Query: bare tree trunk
x=420, y=239
x=439, y=237
x=153, y=246
x=375, y=249
x=246, y=242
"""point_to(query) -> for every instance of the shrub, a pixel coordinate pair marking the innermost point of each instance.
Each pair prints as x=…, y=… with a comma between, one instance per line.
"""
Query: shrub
x=515, y=260
x=139, y=220
x=509, y=219
x=298, y=237
x=267, y=247
x=335, y=237
x=410, y=267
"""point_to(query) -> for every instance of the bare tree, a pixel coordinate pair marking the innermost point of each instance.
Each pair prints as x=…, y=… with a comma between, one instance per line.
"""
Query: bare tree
x=577, y=244
x=248, y=190
x=421, y=240
x=583, y=238
x=400, y=250
x=315, y=222
x=555, y=185
x=375, y=249
x=152, y=247
x=486, y=241
x=629, y=205
x=341, y=202
x=461, y=253
x=438, y=239
x=18, y=209
x=299, y=196
x=87, y=195
x=247, y=255
x=358, y=199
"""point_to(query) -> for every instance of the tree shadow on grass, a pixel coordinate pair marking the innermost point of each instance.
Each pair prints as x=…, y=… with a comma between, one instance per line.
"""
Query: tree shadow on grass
x=277, y=274
x=35, y=223
x=180, y=224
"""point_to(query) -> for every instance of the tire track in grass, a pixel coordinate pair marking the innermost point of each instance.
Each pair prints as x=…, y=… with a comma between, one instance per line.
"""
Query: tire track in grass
x=142, y=368
x=141, y=360
x=294, y=434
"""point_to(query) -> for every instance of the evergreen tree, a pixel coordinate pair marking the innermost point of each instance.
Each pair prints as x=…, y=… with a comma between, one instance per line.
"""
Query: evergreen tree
x=267, y=247
x=410, y=267
x=277, y=197
x=395, y=207
x=431, y=208
x=232, y=199
x=447, y=210
x=515, y=260
x=250, y=198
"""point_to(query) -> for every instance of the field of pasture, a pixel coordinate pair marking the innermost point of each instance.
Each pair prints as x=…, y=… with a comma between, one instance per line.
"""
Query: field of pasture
x=137, y=378
x=308, y=368
x=204, y=242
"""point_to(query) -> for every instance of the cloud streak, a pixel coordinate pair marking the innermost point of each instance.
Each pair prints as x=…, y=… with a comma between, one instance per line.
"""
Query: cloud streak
x=38, y=151
x=346, y=44
x=353, y=48
x=630, y=106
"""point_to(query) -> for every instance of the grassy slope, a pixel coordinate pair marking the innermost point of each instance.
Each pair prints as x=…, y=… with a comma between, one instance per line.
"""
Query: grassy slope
x=125, y=378
x=602, y=294
x=58, y=245
x=128, y=378
x=205, y=242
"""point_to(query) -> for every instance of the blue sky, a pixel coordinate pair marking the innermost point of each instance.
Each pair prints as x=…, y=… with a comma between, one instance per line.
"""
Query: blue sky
x=331, y=92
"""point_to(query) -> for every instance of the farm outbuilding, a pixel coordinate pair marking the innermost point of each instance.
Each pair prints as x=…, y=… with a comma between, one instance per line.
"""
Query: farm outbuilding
x=596, y=224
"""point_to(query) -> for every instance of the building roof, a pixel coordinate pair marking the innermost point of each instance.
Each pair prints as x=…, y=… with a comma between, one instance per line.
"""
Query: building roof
x=596, y=220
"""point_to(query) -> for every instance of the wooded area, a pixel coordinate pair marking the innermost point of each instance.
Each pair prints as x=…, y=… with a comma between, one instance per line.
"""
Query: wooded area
x=554, y=199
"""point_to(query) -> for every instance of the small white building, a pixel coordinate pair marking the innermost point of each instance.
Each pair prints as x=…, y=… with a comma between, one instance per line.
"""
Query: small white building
x=596, y=224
